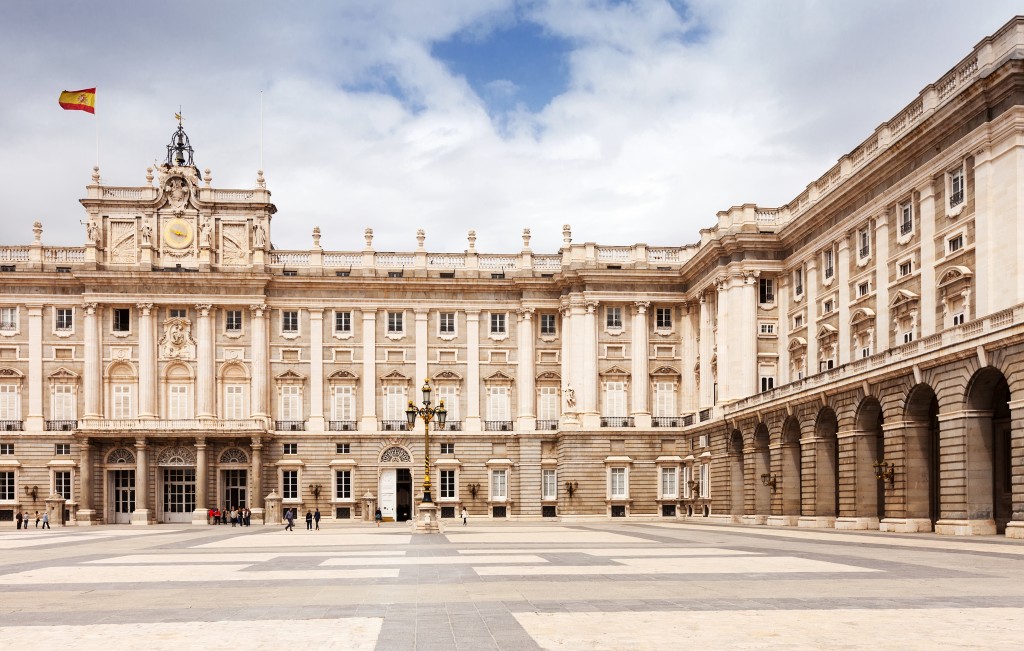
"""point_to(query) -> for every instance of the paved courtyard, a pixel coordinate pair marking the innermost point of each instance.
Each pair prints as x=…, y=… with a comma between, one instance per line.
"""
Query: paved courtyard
x=506, y=586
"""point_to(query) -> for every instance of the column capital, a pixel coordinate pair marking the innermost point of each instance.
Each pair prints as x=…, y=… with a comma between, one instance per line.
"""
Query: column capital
x=259, y=309
x=200, y=442
x=526, y=313
x=591, y=306
x=257, y=443
x=140, y=443
x=144, y=308
x=203, y=309
x=641, y=306
x=90, y=308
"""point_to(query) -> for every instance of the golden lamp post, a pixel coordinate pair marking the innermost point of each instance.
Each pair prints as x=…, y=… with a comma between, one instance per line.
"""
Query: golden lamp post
x=427, y=413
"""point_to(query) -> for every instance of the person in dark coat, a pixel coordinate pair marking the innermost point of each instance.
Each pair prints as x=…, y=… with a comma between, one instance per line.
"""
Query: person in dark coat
x=19, y=520
x=309, y=520
x=289, y=515
x=316, y=519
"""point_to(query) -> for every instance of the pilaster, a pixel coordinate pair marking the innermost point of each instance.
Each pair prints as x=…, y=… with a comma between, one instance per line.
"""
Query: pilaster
x=591, y=416
x=147, y=362
x=206, y=363
x=141, y=514
x=92, y=382
x=368, y=421
x=640, y=409
x=842, y=281
x=260, y=361
x=199, y=515
x=472, y=423
x=927, y=204
x=34, y=418
x=316, y=370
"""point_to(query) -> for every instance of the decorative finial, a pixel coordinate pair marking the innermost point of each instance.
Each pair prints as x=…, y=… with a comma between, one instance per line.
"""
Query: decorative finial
x=420, y=236
x=95, y=174
x=368, y=236
x=566, y=235
x=316, y=237
x=260, y=182
x=526, y=238
x=471, y=236
x=149, y=175
x=207, y=177
x=179, y=150
x=37, y=232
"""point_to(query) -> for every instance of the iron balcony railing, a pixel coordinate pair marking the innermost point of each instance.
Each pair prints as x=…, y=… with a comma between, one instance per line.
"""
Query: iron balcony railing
x=393, y=425
x=547, y=424
x=11, y=425
x=498, y=425
x=341, y=425
x=666, y=421
x=617, y=421
x=449, y=426
x=61, y=425
x=290, y=425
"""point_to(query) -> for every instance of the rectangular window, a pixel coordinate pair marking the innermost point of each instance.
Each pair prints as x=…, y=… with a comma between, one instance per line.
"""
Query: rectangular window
x=549, y=484
x=827, y=306
x=122, y=401
x=177, y=402
x=767, y=328
x=8, y=318
x=343, y=484
x=613, y=317
x=233, y=320
x=958, y=318
x=289, y=448
x=10, y=404
x=498, y=403
x=394, y=402
x=343, y=322
x=865, y=352
x=547, y=324
x=448, y=394
x=668, y=483
x=864, y=243
x=7, y=491
x=344, y=403
x=178, y=313
x=908, y=337
x=62, y=402
x=617, y=478
x=65, y=318
x=827, y=264
x=663, y=318
x=826, y=365
x=705, y=481
x=955, y=243
x=687, y=477
x=6, y=448
x=498, y=325
x=290, y=484
x=121, y=319
x=289, y=321
x=291, y=402
x=906, y=268
x=446, y=323
x=615, y=399
x=447, y=448
x=447, y=484
x=863, y=289
x=767, y=383
x=396, y=323
x=664, y=399
x=342, y=448
x=766, y=291
x=234, y=401
x=499, y=484
x=62, y=449
x=798, y=281
x=798, y=321
x=62, y=483
x=906, y=218
x=956, y=187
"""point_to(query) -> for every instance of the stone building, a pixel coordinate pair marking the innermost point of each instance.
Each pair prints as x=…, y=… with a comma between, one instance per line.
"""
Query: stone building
x=853, y=359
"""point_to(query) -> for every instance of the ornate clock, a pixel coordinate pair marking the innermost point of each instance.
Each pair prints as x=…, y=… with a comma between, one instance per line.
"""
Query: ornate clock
x=178, y=233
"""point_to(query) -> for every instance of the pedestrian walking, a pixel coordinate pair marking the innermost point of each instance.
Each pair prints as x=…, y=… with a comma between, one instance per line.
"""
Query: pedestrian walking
x=46, y=521
x=37, y=519
x=234, y=517
x=289, y=515
x=377, y=517
x=309, y=520
x=19, y=519
x=465, y=516
x=316, y=519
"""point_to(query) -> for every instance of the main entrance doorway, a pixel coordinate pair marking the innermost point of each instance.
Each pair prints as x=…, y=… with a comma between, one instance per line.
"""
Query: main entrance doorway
x=179, y=494
x=124, y=496
x=396, y=494
x=236, y=492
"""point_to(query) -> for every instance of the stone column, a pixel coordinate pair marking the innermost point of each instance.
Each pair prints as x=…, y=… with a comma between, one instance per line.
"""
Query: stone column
x=92, y=382
x=34, y=418
x=707, y=344
x=199, y=515
x=206, y=363
x=368, y=421
x=926, y=219
x=844, y=343
x=811, y=298
x=965, y=469
x=688, y=403
x=591, y=416
x=147, y=362
x=85, y=514
x=422, y=322
x=782, y=330
x=1015, y=528
x=570, y=384
x=256, y=483
x=641, y=376
x=316, y=371
x=472, y=423
x=141, y=513
x=723, y=344
x=260, y=362
x=745, y=370
x=881, y=285
x=526, y=372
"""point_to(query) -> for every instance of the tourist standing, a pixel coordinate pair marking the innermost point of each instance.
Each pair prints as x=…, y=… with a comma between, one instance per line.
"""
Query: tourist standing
x=46, y=521
x=309, y=520
x=377, y=517
x=465, y=516
x=37, y=519
x=316, y=519
x=19, y=519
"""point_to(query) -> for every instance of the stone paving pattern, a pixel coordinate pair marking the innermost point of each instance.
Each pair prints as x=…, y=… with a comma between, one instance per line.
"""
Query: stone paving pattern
x=588, y=586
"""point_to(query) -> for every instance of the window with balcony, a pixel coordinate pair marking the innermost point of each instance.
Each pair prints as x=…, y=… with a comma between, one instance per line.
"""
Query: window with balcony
x=234, y=401
x=121, y=401
x=178, y=403
x=957, y=187
x=798, y=281
x=664, y=402
x=8, y=319
x=906, y=218
x=828, y=264
x=290, y=403
x=62, y=403
x=767, y=383
x=343, y=407
x=395, y=403
x=863, y=243
x=498, y=408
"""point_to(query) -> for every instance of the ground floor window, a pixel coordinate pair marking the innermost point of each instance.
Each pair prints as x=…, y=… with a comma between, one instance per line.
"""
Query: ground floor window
x=549, y=489
x=7, y=491
x=499, y=484
x=290, y=484
x=62, y=484
x=447, y=484
x=668, y=483
x=617, y=483
x=343, y=484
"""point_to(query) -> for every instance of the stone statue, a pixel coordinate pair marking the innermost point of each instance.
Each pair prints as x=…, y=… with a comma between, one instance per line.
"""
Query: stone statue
x=570, y=399
x=147, y=233
x=92, y=231
x=259, y=236
x=204, y=233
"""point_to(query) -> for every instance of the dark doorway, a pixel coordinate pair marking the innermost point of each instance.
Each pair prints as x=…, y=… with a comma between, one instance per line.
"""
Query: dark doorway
x=403, y=495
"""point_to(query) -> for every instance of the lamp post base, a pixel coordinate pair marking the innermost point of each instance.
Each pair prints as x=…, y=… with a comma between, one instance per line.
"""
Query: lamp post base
x=426, y=519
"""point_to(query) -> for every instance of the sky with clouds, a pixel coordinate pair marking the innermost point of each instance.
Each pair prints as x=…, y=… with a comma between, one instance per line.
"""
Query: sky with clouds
x=633, y=121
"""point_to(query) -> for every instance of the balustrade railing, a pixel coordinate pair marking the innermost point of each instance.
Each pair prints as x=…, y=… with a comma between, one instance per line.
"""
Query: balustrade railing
x=547, y=424
x=60, y=425
x=393, y=425
x=11, y=426
x=341, y=425
x=498, y=425
x=616, y=421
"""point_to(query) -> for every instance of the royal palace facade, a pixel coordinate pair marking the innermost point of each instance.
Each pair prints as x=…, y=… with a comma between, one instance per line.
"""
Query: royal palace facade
x=853, y=359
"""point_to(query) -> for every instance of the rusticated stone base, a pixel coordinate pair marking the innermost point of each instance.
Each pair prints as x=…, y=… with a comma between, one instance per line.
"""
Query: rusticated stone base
x=754, y=519
x=856, y=524
x=905, y=525
x=783, y=520
x=816, y=521
x=965, y=527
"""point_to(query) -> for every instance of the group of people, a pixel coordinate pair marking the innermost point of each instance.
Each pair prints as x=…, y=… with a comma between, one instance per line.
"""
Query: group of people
x=23, y=519
x=312, y=518
x=236, y=516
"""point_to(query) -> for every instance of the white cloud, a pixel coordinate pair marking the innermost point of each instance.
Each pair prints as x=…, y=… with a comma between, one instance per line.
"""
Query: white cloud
x=668, y=117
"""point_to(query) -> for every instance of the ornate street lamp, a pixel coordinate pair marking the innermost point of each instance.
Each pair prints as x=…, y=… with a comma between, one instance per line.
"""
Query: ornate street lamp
x=427, y=413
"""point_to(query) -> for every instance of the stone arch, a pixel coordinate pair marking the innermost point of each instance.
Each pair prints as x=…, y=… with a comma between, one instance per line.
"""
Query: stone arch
x=869, y=450
x=234, y=370
x=176, y=456
x=920, y=439
x=826, y=463
x=791, y=475
x=987, y=433
x=121, y=456
x=233, y=455
x=179, y=372
x=736, y=472
x=120, y=370
x=395, y=454
x=762, y=470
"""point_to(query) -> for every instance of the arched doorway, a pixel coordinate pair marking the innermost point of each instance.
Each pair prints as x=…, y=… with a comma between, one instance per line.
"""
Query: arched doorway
x=177, y=476
x=826, y=468
x=119, y=486
x=987, y=433
x=921, y=441
x=790, y=478
x=762, y=474
x=394, y=496
x=870, y=450
x=736, y=474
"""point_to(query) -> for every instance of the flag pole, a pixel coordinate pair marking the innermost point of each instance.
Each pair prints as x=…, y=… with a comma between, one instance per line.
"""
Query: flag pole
x=97, y=121
x=261, y=130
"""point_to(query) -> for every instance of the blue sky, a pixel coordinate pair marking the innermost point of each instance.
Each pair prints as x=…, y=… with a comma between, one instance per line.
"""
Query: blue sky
x=633, y=121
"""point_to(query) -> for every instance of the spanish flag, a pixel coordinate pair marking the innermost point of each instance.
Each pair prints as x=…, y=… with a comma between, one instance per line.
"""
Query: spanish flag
x=78, y=100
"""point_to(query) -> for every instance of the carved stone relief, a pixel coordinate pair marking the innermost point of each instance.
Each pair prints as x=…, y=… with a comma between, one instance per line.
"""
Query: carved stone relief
x=177, y=341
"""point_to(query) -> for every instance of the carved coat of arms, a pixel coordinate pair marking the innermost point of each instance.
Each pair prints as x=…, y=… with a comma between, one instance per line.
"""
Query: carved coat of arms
x=177, y=341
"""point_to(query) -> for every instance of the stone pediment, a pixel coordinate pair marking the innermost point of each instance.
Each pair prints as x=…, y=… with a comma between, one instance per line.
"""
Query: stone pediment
x=549, y=376
x=954, y=274
x=63, y=374
x=343, y=374
x=862, y=314
x=447, y=376
x=289, y=376
x=903, y=297
x=826, y=331
x=665, y=370
x=395, y=376
x=797, y=343
x=499, y=376
x=177, y=341
x=615, y=370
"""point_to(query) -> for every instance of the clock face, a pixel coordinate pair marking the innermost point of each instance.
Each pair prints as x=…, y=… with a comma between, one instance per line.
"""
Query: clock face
x=178, y=233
